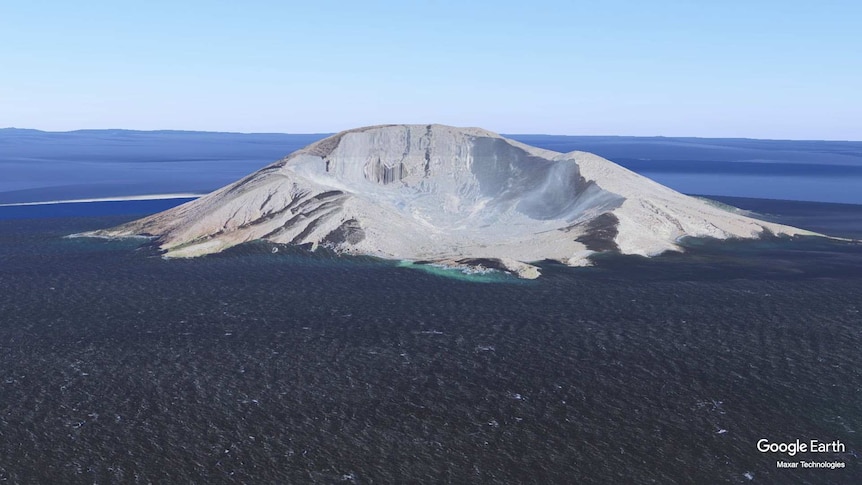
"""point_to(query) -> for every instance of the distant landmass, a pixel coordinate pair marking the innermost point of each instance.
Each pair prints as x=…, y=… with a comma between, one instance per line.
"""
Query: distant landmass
x=453, y=196
x=42, y=166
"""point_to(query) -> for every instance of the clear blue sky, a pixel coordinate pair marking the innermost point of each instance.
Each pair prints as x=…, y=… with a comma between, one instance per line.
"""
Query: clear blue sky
x=762, y=69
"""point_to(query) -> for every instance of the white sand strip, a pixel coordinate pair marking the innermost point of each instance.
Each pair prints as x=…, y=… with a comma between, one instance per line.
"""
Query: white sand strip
x=108, y=199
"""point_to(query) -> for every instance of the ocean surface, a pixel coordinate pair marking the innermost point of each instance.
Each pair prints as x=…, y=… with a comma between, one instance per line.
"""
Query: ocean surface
x=266, y=364
x=254, y=366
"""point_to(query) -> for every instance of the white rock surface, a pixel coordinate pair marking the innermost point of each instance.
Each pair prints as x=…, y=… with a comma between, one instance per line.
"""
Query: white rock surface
x=443, y=194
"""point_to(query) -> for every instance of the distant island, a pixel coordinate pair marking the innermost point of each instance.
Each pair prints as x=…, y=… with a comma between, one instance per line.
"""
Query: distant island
x=439, y=194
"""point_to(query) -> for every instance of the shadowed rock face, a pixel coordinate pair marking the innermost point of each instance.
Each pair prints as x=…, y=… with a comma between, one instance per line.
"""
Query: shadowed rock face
x=539, y=188
x=443, y=194
x=600, y=232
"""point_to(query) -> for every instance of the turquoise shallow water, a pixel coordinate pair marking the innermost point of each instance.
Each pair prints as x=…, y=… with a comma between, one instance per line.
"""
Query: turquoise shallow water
x=290, y=367
x=464, y=274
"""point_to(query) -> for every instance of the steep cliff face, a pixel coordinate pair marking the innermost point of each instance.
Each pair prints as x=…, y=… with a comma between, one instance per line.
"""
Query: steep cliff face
x=439, y=193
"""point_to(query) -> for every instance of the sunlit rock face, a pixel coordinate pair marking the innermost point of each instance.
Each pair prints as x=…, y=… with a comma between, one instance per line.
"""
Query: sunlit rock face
x=458, y=196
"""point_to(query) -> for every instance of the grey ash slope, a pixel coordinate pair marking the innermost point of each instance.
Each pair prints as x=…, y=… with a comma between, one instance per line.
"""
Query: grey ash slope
x=444, y=194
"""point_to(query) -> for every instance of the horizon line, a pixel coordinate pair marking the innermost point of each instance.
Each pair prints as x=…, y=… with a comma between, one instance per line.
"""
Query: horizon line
x=170, y=130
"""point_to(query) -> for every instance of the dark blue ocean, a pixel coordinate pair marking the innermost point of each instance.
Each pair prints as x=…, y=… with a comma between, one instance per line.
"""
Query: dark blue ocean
x=254, y=366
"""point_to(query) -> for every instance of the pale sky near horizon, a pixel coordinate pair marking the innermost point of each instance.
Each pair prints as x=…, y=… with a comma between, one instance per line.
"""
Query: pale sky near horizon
x=757, y=69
